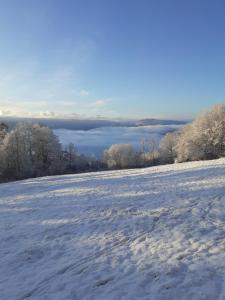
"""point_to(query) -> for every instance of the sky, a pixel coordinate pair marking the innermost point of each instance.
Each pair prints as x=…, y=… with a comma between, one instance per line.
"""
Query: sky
x=111, y=58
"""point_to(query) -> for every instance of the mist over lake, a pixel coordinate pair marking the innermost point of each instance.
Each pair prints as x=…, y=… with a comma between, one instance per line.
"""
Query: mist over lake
x=95, y=141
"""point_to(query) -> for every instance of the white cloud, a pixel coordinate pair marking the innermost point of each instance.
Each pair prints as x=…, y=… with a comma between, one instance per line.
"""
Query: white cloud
x=4, y=112
x=98, y=103
x=56, y=108
x=84, y=93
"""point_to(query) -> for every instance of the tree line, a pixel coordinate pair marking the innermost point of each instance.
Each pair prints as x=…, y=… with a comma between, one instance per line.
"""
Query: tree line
x=31, y=150
x=202, y=139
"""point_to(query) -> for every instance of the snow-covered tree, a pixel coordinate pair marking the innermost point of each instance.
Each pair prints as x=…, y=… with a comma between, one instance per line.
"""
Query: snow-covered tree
x=167, y=147
x=119, y=156
x=71, y=156
x=149, y=154
x=204, y=138
x=31, y=150
x=3, y=131
x=47, y=151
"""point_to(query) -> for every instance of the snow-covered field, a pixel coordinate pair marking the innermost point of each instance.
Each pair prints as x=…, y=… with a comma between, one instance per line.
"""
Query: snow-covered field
x=156, y=233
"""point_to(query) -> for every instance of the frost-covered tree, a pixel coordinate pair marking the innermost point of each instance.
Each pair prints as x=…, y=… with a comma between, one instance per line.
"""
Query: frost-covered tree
x=149, y=154
x=204, y=138
x=47, y=151
x=167, y=147
x=71, y=157
x=3, y=131
x=31, y=150
x=119, y=156
x=2, y=162
x=15, y=155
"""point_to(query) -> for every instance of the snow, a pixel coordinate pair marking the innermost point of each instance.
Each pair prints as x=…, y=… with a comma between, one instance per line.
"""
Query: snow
x=155, y=233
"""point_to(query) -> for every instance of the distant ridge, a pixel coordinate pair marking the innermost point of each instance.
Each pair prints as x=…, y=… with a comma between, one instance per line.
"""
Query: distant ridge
x=88, y=124
x=146, y=122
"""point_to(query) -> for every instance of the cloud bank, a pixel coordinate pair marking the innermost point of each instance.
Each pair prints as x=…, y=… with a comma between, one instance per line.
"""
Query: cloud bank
x=95, y=141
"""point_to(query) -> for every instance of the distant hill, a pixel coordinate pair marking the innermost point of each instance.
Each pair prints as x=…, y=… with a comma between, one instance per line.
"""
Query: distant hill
x=147, y=122
x=72, y=124
x=87, y=124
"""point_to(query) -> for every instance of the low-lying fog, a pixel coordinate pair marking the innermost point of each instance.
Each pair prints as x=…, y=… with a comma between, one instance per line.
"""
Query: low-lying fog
x=95, y=141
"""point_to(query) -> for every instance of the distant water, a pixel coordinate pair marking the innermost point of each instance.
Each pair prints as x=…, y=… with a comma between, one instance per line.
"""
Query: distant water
x=95, y=141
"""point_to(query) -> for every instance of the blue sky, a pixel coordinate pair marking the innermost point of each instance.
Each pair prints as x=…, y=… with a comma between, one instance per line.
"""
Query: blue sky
x=114, y=58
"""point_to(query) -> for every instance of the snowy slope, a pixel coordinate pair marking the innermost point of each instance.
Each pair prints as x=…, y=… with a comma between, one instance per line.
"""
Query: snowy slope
x=156, y=233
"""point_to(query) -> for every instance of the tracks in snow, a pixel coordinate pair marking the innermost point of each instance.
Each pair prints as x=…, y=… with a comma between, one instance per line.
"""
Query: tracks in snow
x=84, y=263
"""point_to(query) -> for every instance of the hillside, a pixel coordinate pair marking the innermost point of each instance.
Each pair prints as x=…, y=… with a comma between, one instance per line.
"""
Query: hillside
x=155, y=233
